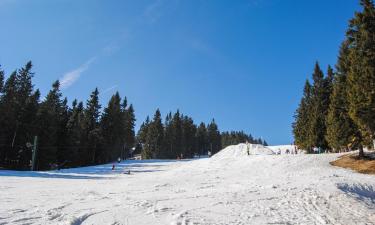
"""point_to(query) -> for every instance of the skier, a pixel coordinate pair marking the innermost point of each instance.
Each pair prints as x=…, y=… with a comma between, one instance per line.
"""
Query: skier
x=118, y=159
x=113, y=166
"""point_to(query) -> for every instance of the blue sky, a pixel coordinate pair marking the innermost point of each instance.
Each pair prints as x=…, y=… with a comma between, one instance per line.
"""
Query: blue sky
x=241, y=62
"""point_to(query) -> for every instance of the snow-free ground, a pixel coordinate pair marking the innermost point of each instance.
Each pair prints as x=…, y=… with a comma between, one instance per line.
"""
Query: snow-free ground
x=225, y=189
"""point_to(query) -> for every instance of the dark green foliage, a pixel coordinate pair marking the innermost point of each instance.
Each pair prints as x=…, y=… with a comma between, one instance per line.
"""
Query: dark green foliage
x=181, y=138
x=112, y=130
x=202, y=139
x=214, y=137
x=341, y=130
x=237, y=137
x=319, y=108
x=346, y=117
x=361, y=71
x=309, y=128
x=154, y=139
x=81, y=135
x=48, y=120
x=18, y=106
x=128, y=126
x=92, y=132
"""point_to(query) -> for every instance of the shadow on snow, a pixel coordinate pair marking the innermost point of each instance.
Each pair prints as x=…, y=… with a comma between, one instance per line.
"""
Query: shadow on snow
x=89, y=172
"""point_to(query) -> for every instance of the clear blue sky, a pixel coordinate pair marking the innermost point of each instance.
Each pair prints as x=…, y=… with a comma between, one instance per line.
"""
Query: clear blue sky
x=241, y=62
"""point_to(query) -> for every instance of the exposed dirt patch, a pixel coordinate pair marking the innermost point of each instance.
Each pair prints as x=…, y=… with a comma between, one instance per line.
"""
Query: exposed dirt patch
x=365, y=165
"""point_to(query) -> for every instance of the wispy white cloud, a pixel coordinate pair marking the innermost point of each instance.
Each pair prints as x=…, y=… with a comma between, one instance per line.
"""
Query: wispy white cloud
x=109, y=89
x=71, y=77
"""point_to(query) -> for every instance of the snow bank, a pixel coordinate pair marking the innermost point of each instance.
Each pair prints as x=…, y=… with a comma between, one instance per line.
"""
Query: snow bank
x=240, y=150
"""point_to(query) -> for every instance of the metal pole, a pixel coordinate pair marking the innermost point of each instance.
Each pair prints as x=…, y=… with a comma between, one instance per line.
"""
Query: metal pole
x=33, y=165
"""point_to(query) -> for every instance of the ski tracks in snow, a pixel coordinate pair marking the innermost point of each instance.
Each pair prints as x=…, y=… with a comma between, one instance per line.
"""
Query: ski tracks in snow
x=264, y=189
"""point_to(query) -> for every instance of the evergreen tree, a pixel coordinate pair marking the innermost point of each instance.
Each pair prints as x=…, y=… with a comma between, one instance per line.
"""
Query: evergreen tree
x=143, y=130
x=75, y=151
x=361, y=71
x=176, y=124
x=202, y=139
x=129, y=124
x=112, y=130
x=301, y=125
x=341, y=129
x=91, y=127
x=167, y=151
x=189, y=141
x=214, y=137
x=48, y=120
x=319, y=108
x=154, y=140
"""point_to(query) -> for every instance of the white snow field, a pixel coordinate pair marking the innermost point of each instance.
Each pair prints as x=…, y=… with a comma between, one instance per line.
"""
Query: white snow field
x=256, y=189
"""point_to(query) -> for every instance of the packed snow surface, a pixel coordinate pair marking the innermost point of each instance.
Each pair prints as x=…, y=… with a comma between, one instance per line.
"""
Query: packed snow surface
x=255, y=189
x=242, y=150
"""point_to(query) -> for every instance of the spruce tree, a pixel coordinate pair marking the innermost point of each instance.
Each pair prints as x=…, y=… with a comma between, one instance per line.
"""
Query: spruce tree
x=129, y=124
x=177, y=134
x=361, y=71
x=202, y=139
x=341, y=130
x=112, y=130
x=214, y=137
x=167, y=151
x=301, y=125
x=93, y=137
x=189, y=141
x=48, y=120
x=154, y=140
x=319, y=108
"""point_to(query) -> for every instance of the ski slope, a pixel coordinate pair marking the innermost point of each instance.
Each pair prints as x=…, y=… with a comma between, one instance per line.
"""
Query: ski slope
x=225, y=189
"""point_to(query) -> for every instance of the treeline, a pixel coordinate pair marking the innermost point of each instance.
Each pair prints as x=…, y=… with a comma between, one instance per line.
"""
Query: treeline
x=179, y=137
x=85, y=134
x=337, y=111
x=68, y=136
x=237, y=137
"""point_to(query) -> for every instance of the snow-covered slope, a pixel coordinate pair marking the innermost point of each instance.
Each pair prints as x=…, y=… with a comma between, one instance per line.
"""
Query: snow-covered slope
x=282, y=148
x=260, y=189
x=241, y=150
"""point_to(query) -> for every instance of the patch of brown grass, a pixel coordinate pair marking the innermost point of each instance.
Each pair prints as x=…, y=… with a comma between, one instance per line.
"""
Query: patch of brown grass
x=365, y=165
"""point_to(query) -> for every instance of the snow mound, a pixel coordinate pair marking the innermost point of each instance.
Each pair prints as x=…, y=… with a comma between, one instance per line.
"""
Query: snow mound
x=240, y=150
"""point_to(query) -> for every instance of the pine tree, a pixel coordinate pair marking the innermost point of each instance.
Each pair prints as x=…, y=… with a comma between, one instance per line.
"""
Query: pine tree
x=319, y=108
x=214, y=137
x=202, y=139
x=167, y=151
x=301, y=125
x=176, y=124
x=154, y=140
x=189, y=141
x=8, y=118
x=48, y=120
x=91, y=127
x=112, y=130
x=361, y=71
x=129, y=124
x=341, y=130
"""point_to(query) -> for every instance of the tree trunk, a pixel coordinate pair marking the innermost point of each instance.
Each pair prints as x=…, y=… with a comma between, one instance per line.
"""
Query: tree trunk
x=361, y=153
